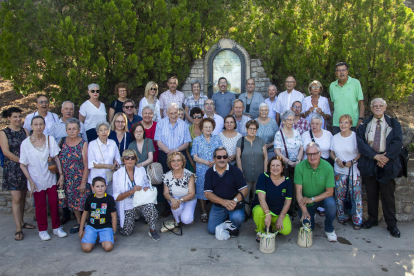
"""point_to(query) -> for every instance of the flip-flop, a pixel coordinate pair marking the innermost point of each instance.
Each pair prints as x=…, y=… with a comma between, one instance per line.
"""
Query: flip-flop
x=28, y=226
x=19, y=234
x=74, y=229
x=357, y=227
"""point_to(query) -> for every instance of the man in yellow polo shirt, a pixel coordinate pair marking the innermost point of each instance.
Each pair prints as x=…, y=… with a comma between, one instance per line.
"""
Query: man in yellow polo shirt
x=346, y=94
x=315, y=183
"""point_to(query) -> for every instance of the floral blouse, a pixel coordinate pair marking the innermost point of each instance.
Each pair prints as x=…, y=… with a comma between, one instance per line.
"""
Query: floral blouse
x=292, y=144
x=178, y=187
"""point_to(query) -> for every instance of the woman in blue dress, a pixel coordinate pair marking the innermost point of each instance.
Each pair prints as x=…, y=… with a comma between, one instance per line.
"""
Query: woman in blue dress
x=202, y=152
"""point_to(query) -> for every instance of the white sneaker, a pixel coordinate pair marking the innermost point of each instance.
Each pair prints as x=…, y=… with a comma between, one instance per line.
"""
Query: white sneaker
x=331, y=236
x=44, y=235
x=59, y=232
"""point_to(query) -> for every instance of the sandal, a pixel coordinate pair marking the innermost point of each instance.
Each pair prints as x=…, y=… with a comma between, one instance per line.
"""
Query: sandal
x=18, y=236
x=28, y=226
x=357, y=227
x=74, y=229
x=320, y=213
x=204, y=218
x=343, y=221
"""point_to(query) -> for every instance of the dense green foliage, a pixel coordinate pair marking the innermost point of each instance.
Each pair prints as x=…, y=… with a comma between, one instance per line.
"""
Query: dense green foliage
x=60, y=46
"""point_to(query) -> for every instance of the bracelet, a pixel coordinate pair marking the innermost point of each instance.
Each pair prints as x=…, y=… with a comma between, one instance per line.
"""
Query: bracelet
x=336, y=158
x=268, y=214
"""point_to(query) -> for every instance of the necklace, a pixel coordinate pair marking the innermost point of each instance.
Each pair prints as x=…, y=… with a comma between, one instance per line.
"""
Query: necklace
x=149, y=126
x=182, y=174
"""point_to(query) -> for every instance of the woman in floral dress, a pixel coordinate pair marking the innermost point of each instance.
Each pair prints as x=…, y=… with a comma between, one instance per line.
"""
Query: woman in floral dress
x=202, y=151
x=74, y=159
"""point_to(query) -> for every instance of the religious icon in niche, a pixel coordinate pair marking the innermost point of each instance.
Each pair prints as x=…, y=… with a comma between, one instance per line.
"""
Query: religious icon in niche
x=227, y=64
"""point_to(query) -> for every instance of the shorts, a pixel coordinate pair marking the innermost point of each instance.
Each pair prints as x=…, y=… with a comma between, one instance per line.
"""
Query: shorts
x=105, y=234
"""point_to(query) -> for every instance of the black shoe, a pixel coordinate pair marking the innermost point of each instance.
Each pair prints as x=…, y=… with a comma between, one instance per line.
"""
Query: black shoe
x=234, y=233
x=368, y=225
x=394, y=231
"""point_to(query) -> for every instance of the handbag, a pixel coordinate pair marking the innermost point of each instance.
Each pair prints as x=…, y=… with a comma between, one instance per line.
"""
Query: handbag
x=145, y=197
x=154, y=171
x=171, y=226
x=349, y=204
x=287, y=167
x=50, y=161
x=61, y=193
x=240, y=204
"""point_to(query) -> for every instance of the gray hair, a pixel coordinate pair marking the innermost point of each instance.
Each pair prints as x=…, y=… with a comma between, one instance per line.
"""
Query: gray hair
x=262, y=105
x=378, y=99
x=194, y=82
x=217, y=149
x=72, y=121
x=92, y=85
x=273, y=86
x=65, y=102
x=313, y=144
x=149, y=107
x=181, y=109
x=173, y=105
x=317, y=117
x=286, y=114
x=103, y=123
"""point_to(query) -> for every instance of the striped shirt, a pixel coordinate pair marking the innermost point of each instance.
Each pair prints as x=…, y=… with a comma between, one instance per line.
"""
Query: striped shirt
x=172, y=136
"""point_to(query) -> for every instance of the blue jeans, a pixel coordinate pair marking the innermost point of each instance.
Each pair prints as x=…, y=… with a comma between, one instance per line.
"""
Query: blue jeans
x=105, y=234
x=219, y=215
x=330, y=212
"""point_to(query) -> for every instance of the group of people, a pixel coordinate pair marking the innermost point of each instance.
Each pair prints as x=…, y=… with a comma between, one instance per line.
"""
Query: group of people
x=266, y=158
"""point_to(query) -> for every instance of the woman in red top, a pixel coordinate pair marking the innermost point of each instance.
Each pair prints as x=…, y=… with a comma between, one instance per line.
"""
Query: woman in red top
x=150, y=126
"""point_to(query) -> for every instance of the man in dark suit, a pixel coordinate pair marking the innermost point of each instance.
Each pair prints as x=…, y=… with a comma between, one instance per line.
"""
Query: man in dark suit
x=379, y=141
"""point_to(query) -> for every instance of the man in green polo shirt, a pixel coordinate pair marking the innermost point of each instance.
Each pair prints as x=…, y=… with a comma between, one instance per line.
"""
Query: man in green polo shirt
x=346, y=94
x=315, y=183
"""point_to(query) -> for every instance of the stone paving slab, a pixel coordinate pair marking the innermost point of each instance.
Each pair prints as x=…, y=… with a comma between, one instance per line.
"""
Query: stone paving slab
x=364, y=252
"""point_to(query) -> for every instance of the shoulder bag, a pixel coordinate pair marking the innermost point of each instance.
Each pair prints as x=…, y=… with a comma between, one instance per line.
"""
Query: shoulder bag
x=145, y=197
x=349, y=204
x=154, y=171
x=109, y=173
x=287, y=167
x=51, y=162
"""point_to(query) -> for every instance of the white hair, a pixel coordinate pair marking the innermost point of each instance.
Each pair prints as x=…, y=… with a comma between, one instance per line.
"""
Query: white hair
x=92, y=85
x=173, y=105
x=103, y=123
x=262, y=105
x=317, y=117
x=273, y=86
x=286, y=114
x=378, y=99
x=65, y=102
x=148, y=107
x=313, y=144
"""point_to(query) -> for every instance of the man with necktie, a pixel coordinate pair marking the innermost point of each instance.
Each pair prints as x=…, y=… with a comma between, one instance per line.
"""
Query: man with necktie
x=379, y=141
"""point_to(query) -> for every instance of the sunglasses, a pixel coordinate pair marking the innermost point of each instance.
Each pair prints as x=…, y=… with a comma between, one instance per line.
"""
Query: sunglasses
x=129, y=106
x=155, y=89
x=197, y=117
x=130, y=158
x=221, y=156
x=95, y=91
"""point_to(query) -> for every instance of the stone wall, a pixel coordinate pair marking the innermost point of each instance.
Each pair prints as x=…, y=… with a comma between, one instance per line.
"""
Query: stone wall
x=257, y=72
x=409, y=4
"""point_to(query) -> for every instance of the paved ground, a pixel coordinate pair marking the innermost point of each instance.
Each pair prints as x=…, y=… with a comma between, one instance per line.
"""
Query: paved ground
x=364, y=252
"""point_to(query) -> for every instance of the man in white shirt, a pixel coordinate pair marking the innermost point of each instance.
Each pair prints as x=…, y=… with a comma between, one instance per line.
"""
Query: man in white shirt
x=58, y=129
x=272, y=100
x=288, y=97
x=241, y=119
x=172, y=95
x=42, y=104
x=209, y=112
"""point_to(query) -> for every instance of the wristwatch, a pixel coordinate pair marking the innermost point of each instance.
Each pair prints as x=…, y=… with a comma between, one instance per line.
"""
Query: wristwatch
x=360, y=118
x=313, y=199
x=182, y=200
x=235, y=199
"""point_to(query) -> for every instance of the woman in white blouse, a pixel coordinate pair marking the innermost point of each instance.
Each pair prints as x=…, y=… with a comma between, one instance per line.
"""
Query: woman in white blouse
x=316, y=104
x=150, y=98
x=128, y=180
x=103, y=156
x=35, y=153
x=229, y=138
x=179, y=189
x=318, y=135
x=92, y=112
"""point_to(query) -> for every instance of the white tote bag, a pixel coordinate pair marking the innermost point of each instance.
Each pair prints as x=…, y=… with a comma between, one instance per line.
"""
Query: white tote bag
x=142, y=198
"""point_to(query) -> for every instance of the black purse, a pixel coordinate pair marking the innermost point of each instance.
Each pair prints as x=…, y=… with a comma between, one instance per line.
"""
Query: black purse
x=349, y=204
x=288, y=169
x=240, y=204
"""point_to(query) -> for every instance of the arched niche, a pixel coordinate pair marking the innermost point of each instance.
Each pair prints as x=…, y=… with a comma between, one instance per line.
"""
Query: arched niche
x=230, y=60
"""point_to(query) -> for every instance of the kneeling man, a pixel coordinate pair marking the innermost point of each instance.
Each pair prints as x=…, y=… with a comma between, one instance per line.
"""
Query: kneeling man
x=223, y=186
x=315, y=183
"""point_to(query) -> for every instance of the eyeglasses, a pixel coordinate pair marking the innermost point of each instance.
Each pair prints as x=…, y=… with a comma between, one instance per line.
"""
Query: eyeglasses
x=197, y=117
x=297, y=107
x=119, y=122
x=289, y=120
x=152, y=88
x=95, y=91
x=312, y=154
x=341, y=70
x=291, y=82
x=378, y=106
x=315, y=87
x=130, y=158
x=252, y=129
x=176, y=160
x=219, y=157
x=223, y=82
x=207, y=127
x=129, y=106
x=43, y=102
x=209, y=104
